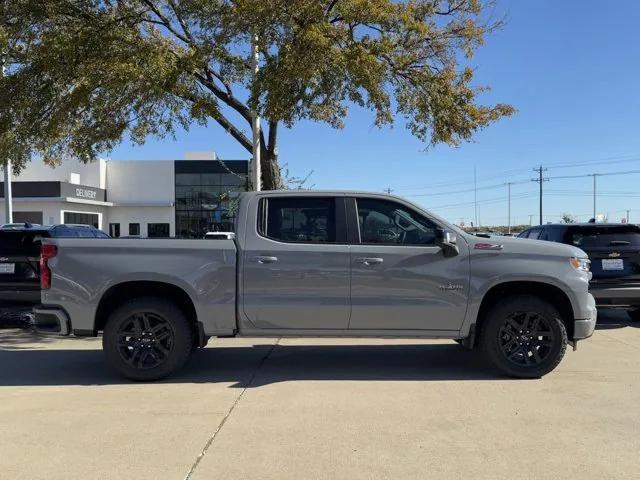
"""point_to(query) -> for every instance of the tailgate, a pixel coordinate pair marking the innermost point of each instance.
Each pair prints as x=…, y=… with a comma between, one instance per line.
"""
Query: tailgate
x=19, y=258
x=614, y=252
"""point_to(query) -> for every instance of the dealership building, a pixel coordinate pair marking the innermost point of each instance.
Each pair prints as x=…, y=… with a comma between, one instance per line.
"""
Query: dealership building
x=147, y=198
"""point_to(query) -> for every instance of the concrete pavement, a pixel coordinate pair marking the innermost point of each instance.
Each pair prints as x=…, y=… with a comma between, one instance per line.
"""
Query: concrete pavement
x=320, y=409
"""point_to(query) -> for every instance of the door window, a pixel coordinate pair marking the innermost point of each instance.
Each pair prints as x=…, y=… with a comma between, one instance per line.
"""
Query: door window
x=114, y=230
x=298, y=220
x=388, y=223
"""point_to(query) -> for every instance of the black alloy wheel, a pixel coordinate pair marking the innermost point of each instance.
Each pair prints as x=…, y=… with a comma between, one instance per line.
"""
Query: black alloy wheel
x=148, y=338
x=145, y=340
x=526, y=338
x=523, y=336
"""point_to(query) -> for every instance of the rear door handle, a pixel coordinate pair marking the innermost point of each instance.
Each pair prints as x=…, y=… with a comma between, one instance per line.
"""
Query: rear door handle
x=264, y=259
x=369, y=260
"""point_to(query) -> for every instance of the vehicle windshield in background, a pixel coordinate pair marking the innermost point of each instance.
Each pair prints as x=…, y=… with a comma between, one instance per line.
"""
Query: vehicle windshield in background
x=21, y=243
x=614, y=236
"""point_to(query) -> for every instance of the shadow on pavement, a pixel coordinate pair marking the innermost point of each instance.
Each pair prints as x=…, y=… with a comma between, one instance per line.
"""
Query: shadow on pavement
x=609, y=319
x=238, y=364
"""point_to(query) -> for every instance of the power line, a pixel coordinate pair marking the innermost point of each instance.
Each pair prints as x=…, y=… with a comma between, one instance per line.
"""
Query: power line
x=628, y=158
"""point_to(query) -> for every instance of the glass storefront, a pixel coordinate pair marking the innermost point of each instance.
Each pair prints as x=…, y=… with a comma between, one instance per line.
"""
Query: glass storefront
x=206, y=191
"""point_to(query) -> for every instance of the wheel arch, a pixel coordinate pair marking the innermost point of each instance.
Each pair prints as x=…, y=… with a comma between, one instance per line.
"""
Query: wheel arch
x=545, y=291
x=119, y=293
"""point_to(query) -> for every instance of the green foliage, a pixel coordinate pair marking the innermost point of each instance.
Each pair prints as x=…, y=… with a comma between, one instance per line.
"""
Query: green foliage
x=82, y=74
x=568, y=218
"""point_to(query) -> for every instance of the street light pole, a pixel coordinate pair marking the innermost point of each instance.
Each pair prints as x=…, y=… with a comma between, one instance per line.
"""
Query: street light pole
x=509, y=208
x=255, y=121
x=8, y=197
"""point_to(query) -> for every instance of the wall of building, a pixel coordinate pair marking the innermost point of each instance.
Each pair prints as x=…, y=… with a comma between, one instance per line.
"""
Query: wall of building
x=143, y=216
x=140, y=182
x=53, y=212
x=91, y=174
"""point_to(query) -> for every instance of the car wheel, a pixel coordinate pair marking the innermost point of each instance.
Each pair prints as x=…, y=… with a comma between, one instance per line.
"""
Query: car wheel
x=523, y=337
x=634, y=314
x=147, y=339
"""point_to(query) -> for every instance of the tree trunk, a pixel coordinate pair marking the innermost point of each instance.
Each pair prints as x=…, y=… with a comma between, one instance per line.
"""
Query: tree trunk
x=271, y=178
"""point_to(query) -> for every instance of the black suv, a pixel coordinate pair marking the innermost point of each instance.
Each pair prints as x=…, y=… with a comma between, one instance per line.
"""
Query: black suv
x=20, y=257
x=614, y=251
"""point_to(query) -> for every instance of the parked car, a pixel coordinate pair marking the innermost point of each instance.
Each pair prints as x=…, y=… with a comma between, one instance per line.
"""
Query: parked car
x=20, y=256
x=614, y=251
x=309, y=264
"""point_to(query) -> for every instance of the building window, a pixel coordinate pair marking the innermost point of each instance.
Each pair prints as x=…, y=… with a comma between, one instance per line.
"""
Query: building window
x=206, y=196
x=134, y=229
x=81, y=218
x=114, y=230
x=158, y=230
x=27, y=217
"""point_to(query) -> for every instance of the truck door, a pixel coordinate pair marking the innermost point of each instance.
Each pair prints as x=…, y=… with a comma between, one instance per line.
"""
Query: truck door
x=296, y=263
x=400, y=278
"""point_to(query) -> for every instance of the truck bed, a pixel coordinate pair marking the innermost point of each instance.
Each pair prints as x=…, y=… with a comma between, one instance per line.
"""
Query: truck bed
x=86, y=270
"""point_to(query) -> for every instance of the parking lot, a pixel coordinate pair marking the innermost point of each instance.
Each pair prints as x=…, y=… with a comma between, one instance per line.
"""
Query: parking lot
x=263, y=408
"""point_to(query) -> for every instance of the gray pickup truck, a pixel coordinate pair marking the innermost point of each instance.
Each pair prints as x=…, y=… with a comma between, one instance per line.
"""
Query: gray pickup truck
x=319, y=264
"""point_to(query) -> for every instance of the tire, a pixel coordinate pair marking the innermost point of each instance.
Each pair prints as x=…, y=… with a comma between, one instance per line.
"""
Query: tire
x=634, y=314
x=523, y=355
x=147, y=339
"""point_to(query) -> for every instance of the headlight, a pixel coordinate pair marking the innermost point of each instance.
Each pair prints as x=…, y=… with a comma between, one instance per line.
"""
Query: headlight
x=583, y=264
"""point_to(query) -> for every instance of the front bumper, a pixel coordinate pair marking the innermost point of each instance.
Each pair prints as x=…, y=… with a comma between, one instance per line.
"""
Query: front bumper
x=616, y=296
x=584, y=327
x=51, y=320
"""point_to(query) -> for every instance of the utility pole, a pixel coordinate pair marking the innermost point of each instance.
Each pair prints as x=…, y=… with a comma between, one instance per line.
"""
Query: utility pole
x=509, y=208
x=530, y=218
x=540, y=179
x=255, y=121
x=475, y=195
x=594, y=175
x=8, y=197
x=627, y=216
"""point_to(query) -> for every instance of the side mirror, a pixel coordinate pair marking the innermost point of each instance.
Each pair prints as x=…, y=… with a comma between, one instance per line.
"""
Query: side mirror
x=448, y=241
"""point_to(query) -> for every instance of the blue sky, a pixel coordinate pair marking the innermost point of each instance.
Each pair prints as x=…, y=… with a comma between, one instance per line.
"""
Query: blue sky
x=571, y=68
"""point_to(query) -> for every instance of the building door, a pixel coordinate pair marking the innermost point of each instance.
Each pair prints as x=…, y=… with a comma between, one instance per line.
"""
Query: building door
x=296, y=269
x=400, y=277
x=82, y=218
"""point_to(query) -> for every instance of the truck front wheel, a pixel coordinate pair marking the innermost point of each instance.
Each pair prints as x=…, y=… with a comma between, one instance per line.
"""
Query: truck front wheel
x=147, y=339
x=523, y=336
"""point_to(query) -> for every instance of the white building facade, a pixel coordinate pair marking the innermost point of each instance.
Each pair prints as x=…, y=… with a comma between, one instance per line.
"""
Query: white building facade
x=147, y=198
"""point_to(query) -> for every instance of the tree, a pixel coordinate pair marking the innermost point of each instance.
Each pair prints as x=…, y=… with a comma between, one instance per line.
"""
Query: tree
x=84, y=74
x=568, y=218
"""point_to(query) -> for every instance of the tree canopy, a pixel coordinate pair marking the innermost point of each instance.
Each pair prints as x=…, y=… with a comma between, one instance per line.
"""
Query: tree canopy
x=83, y=74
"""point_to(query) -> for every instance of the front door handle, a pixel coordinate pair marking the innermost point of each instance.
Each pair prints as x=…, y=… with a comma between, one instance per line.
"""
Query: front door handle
x=369, y=260
x=264, y=259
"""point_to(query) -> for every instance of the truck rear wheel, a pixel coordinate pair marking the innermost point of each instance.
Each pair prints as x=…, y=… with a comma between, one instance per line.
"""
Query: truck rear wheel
x=147, y=339
x=523, y=337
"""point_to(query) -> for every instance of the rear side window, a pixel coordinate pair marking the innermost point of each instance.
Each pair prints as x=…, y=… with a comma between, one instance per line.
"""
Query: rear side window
x=524, y=234
x=298, y=220
x=534, y=233
x=614, y=236
x=21, y=243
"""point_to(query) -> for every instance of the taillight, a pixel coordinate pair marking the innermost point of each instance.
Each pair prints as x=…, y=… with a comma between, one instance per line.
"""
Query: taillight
x=46, y=252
